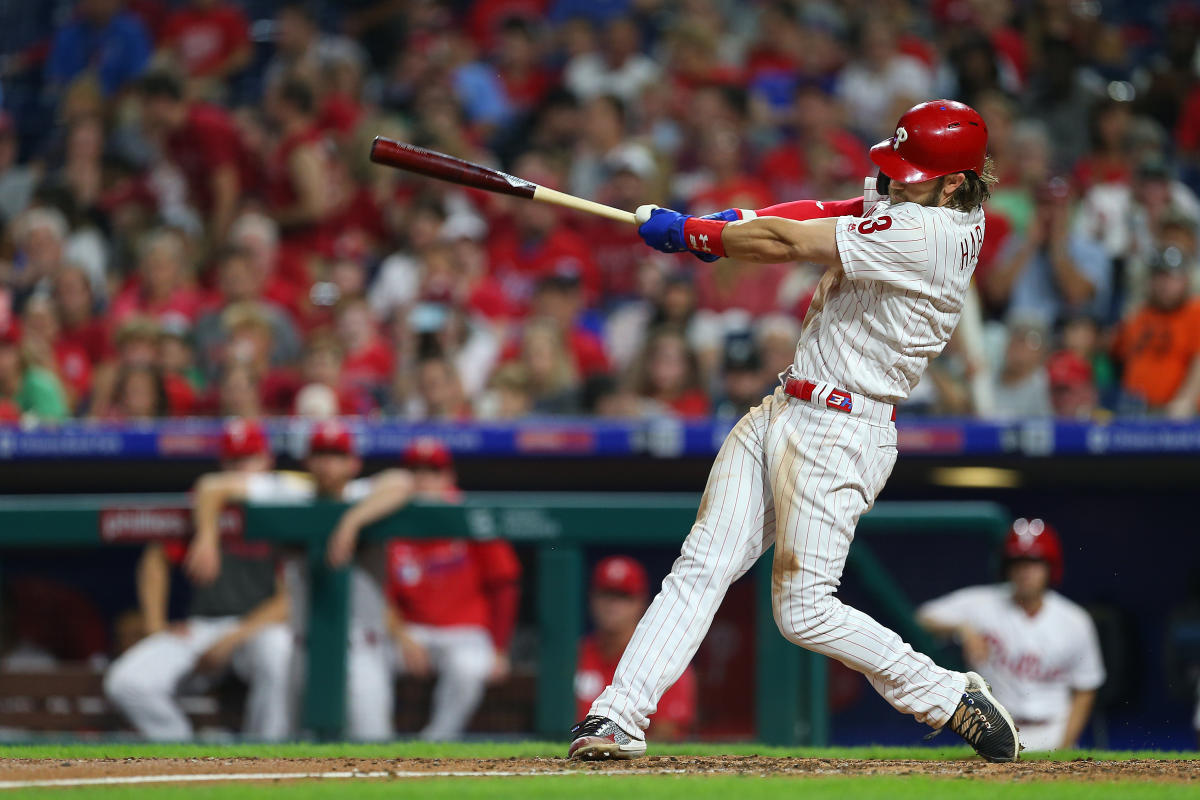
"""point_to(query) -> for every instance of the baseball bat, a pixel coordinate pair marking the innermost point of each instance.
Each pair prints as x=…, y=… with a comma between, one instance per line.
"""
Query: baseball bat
x=431, y=164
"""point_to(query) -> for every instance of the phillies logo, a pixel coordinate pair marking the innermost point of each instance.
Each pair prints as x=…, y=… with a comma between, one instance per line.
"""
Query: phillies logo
x=839, y=401
x=702, y=245
x=901, y=136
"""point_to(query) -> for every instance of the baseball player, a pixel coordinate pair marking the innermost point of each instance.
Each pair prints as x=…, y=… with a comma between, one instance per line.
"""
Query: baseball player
x=332, y=469
x=239, y=620
x=454, y=602
x=798, y=470
x=1039, y=649
x=618, y=598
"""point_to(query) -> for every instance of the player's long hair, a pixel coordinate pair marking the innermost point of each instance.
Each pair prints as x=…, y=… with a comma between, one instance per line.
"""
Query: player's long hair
x=976, y=189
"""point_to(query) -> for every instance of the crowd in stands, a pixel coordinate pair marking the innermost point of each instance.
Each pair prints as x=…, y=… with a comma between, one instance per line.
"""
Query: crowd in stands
x=190, y=224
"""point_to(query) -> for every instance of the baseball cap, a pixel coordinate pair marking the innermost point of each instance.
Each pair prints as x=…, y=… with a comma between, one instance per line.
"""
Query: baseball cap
x=741, y=353
x=620, y=574
x=331, y=436
x=241, y=438
x=427, y=453
x=1066, y=369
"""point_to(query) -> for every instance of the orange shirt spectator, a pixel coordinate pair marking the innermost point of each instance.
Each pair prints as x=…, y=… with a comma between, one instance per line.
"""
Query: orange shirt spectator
x=1160, y=343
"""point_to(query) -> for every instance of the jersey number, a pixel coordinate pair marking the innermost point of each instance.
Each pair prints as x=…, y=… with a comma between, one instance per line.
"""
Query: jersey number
x=875, y=224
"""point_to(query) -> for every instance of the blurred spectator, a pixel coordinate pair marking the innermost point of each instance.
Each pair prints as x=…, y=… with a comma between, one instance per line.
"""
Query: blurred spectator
x=298, y=169
x=509, y=395
x=1108, y=161
x=742, y=385
x=16, y=180
x=163, y=286
x=539, y=244
x=1058, y=97
x=101, y=41
x=40, y=239
x=140, y=393
x=669, y=374
x=559, y=301
x=439, y=392
x=617, y=600
x=76, y=307
x=209, y=41
x=519, y=60
x=1159, y=345
x=880, y=82
x=369, y=362
x=202, y=142
x=553, y=380
x=1127, y=219
x=1022, y=386
x=617, y=68
x=45, y=347
x=1083, y=337
x=240, y=279
x=27, y=391
x=664, y=299
x=1051, y=271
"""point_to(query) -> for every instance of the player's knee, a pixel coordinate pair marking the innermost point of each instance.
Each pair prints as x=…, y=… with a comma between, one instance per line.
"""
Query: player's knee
x=123, y=685
x=805, y=623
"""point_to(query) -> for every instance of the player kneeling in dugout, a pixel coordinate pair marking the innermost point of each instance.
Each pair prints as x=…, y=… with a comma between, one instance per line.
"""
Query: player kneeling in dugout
x=620, y=593
x=237, y=619
x=1039, y=649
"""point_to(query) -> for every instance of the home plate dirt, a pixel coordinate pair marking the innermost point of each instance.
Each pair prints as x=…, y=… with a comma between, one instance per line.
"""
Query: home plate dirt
x=138, y=770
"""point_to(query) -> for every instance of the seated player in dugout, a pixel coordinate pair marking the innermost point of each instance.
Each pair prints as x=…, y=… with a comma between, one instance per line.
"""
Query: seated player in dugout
x=236, y=619
x=453, y=603
x=1039, y=649
x=333, y=466
x=619, y=595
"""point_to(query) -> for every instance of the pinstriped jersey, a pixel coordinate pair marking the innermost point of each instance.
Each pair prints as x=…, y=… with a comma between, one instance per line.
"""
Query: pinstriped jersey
x=875, y=324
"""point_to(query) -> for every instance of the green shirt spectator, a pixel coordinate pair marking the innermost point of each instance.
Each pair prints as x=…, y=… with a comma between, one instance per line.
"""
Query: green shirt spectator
x=33, y=390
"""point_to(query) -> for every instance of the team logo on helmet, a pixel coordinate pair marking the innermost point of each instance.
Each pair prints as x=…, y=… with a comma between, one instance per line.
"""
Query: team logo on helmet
x=901, y=136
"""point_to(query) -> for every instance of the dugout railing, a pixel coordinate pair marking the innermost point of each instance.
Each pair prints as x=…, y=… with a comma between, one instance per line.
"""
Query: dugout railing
x=791, y=705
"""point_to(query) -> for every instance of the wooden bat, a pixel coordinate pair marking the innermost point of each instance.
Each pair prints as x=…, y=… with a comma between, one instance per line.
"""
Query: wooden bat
x=448, y=168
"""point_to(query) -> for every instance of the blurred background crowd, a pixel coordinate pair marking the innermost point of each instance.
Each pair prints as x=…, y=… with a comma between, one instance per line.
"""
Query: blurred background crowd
x=189, y=224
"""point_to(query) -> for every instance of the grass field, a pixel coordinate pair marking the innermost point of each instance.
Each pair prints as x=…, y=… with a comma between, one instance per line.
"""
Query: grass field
x=534, y=770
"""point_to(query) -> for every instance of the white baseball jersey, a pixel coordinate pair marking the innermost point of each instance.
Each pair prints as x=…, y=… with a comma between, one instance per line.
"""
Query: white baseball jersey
x=369, y=687
x=874, y=326
x=797, y=474
x=1033, y=662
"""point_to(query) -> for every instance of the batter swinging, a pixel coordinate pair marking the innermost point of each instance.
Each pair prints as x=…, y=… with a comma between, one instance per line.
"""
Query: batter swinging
x=799, y=470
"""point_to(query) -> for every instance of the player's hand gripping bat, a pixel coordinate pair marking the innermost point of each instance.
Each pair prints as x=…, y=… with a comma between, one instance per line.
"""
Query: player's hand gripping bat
x=448, y=168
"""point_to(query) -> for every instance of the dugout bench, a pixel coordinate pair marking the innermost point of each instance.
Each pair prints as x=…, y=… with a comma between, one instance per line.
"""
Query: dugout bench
x=791, y=704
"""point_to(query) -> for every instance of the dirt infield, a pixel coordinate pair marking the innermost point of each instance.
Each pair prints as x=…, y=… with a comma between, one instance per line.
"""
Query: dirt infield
x=1079, y=770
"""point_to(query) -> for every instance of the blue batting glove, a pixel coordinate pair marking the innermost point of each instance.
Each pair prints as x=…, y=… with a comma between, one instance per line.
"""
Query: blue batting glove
x=662, y=228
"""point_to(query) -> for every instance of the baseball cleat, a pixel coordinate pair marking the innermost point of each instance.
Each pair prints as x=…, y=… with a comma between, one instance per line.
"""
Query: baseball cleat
x=985, y=724
x=598, y=738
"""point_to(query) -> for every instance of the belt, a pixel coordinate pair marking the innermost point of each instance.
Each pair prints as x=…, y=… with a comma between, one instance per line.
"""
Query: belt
x=824, y=394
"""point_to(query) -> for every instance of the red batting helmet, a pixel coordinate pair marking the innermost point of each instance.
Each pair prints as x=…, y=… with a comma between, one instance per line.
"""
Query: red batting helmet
x=331, y=436
x=933, y=139
x=1033, y=538
x=427, y=453
x=242, y=438
x=620, y=574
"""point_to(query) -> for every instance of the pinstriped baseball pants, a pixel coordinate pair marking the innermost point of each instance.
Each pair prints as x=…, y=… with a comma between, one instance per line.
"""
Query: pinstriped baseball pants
x=796, y=476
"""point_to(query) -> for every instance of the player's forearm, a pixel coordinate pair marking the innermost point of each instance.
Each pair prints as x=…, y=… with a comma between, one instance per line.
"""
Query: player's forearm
x=272, y=611
x=153, y=586
x=1081, y=710
x=390, y=491
x=775, y=240
x=212, y=492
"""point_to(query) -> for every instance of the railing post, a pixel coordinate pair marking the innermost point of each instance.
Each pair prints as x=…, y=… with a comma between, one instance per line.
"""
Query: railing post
x=777, y=671
x=560, y=581
x=328, y=640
